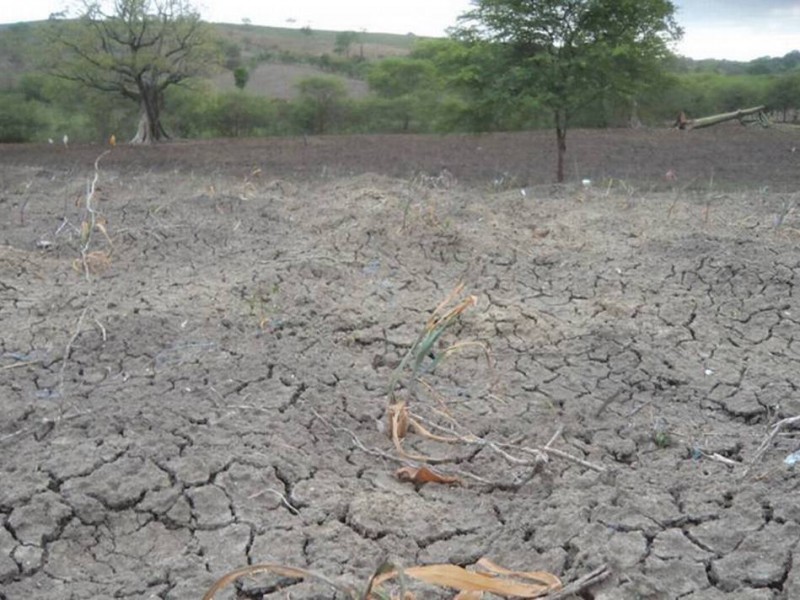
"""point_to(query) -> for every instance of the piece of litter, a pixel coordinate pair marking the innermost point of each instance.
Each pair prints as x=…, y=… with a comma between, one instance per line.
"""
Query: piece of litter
x=792, y=459
x=709, y=371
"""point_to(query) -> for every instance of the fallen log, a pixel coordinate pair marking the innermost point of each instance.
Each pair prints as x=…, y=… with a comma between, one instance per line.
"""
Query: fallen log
x=683, y=123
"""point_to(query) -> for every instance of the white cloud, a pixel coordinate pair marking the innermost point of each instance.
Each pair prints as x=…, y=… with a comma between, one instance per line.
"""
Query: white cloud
x=734, y=42
x=423, y=17
x=738, y=29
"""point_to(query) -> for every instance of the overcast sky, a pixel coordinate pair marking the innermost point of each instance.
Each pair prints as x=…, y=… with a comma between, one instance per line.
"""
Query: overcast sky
x=732, y=29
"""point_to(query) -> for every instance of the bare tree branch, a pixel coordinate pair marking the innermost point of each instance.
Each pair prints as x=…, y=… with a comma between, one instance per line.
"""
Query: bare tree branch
x=137, y=50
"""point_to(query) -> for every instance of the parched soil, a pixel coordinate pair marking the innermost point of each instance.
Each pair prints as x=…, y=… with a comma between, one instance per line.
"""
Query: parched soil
x=201, y=383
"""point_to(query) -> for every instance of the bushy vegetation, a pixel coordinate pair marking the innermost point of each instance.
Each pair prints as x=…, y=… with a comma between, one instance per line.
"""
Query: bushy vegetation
x=419, y=85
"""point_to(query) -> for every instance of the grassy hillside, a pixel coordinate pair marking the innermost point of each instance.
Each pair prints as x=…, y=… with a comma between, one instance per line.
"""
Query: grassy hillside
x=311, y=42
x=277, y=80
x=278, y=57
x=18, y=51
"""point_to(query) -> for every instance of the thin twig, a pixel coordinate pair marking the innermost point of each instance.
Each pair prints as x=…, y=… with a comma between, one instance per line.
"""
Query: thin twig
x=92, y=215
x=44, y=422
x=24, y=204
x=282, y=570
x=555, y=436
x=65, y=357
x=509, y=458
x=387, y=456
x=102, y=329
x=576, y=587
x=606, y=402
x=569, y=457
x=716, y=456
x=21, y=364
x=537, y=452
x=767, y=442
x=282, y=498
x=638, y=408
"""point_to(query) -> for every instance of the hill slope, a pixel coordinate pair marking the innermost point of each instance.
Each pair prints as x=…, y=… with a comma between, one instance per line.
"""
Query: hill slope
x=278, y=56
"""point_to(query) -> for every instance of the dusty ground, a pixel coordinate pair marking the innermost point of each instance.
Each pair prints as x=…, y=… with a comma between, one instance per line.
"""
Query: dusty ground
x=209, y=396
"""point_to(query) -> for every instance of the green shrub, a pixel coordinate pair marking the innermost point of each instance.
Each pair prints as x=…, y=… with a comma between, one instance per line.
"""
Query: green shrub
x=20, y=120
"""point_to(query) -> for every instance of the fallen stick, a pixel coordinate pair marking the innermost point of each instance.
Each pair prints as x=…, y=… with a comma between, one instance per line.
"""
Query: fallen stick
x=576, y=587
x=574, y=459
x=20, y=364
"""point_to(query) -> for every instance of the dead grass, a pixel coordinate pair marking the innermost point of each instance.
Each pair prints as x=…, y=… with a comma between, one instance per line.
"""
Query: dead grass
x=391, y=582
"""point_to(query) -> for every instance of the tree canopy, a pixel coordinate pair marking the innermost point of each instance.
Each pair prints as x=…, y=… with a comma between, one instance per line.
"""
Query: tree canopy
x=321, y=98
x=134, y=48
x=570, y=52
x=463, y=83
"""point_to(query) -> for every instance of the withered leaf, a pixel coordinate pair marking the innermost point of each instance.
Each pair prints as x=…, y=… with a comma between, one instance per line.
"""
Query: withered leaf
x=398, y=420
x=458, y=578
x=422, y=475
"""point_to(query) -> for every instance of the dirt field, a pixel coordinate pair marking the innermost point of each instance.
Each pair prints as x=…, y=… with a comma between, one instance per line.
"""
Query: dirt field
x=211, y=393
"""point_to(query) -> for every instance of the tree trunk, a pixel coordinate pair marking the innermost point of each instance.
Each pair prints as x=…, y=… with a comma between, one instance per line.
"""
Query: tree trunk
x=561, y=144
x=150, y=129
x=635, y=122
x=321, y=120
x=144, y=132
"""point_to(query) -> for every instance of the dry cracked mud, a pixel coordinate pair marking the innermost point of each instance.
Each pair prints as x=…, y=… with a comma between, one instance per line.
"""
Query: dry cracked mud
x=210, y=396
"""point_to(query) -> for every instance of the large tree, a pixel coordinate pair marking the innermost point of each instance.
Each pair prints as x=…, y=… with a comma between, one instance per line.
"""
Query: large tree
x=409, y=84
x=569, y=53
x=134, y=48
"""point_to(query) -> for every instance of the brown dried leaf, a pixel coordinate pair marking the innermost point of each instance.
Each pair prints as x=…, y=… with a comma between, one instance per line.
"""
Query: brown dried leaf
x=95, y=262
x=422, y=475
x=458, y=578
x=399, y=423
x=542, y=577
x=450, y=297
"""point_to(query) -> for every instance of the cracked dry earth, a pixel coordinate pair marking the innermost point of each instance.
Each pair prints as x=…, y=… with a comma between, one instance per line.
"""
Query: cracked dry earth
x=188, y=410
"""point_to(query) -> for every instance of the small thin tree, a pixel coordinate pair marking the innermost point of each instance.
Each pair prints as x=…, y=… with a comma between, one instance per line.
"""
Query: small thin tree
x=344, y=42
x=240, y=77
x=135, y=48
x=568, y=53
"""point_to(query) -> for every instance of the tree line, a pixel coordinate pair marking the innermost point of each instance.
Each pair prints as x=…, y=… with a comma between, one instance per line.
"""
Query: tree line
x=140, y=67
